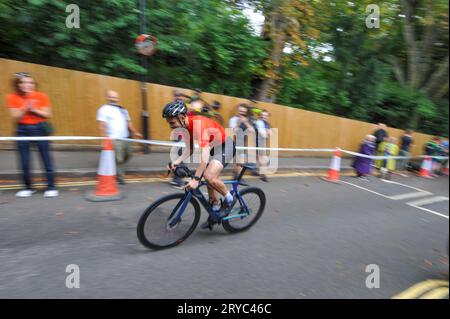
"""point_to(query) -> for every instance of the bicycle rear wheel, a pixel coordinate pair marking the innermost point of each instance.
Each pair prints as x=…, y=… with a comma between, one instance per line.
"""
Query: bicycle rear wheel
x=241, y=219
x=156, y=228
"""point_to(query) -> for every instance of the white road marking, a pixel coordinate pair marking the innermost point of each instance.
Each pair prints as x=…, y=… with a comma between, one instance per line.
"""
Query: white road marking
x=404, y=185
x=413, y=204
x=428, y=201
x=366, y=189
x=410, y=195
x=429, y=211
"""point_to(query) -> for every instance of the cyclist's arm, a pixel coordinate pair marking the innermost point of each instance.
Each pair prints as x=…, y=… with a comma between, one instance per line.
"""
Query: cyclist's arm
x=204, y=159
x=180, y=159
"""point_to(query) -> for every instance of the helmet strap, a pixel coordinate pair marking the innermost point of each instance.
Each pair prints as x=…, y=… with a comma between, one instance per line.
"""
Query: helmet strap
x=182, y=123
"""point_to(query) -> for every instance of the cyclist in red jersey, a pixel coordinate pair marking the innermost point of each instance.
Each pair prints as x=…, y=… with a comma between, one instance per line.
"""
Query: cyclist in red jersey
x=217, y=150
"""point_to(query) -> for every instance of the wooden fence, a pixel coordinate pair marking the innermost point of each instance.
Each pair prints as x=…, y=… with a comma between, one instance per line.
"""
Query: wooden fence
x=76, y=97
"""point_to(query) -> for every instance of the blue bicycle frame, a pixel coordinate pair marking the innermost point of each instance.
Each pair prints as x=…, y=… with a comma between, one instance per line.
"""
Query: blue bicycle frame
x=182, y=204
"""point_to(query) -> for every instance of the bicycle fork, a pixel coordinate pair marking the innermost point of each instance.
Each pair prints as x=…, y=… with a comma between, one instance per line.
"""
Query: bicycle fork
x=179, y=210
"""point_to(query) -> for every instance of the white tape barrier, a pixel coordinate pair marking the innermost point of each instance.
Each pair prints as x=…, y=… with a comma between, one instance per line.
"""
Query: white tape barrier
x=154, y=142
x=285, y=149
x=51, y=138
x=391, y=157
x=181, y=144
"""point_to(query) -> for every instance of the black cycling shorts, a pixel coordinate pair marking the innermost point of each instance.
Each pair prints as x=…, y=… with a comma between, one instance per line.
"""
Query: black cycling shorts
x=224, y=153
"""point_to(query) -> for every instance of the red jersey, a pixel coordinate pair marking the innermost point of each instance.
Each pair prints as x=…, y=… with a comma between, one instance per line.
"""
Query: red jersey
x=38, y=100
x=205, y=131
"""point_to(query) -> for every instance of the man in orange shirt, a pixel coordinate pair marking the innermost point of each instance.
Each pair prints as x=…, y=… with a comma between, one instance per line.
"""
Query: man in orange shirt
x=30, y=110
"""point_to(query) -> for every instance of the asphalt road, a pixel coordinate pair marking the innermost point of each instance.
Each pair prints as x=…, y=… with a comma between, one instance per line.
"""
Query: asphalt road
x=314, y=240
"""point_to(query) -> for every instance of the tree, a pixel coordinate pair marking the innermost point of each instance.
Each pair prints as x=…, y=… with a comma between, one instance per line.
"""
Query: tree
x=352, y=76
x=396, y=74
x=425, y=24
x=287, y=30
x=36, y=31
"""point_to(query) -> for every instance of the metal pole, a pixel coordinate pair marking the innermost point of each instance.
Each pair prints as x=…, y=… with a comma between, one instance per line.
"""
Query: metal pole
x=144, y=64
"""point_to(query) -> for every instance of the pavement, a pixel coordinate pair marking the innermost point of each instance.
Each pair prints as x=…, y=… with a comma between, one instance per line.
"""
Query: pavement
x=315, y=240
x=85, y=163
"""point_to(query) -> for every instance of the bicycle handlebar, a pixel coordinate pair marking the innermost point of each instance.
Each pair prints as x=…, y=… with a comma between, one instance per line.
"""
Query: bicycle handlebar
x=181, y=171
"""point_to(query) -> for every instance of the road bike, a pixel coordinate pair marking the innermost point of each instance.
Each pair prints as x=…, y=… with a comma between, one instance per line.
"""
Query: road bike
x=170, y=220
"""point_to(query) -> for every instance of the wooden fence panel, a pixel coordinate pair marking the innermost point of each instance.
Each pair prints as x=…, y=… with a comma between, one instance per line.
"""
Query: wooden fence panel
x=76, y=97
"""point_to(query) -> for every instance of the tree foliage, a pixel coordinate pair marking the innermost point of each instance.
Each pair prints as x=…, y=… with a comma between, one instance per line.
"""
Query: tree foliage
x=311, y=54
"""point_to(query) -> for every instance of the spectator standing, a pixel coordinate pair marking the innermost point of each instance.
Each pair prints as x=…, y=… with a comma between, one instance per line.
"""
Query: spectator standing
x=30, y=111
x=406, y=143
x=444, y=147
x=388, y=148
x=381, y=135
x=114, y=122
x=363, y=165
x=433, y=148
x=240, y=123
x=264, y=133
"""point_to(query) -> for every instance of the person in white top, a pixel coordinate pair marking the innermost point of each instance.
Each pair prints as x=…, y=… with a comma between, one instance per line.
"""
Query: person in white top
x=264, y=132
x=240, y=124
x=114, y=122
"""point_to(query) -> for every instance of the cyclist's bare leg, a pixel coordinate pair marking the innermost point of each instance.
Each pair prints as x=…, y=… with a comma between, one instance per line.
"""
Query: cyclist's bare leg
x=213, y=195
x=211, y=175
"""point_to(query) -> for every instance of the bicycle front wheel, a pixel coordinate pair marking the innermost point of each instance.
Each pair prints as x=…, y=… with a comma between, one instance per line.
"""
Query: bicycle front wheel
x=242, y=217
x=158, y=228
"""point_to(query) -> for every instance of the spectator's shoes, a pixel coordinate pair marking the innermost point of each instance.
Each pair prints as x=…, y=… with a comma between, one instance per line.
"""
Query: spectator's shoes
x=25, y=193
x=51, y=193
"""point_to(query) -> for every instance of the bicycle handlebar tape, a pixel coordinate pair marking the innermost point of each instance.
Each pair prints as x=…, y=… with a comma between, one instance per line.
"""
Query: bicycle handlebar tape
x=335, y=168
x=106, y=189
x=425, y=169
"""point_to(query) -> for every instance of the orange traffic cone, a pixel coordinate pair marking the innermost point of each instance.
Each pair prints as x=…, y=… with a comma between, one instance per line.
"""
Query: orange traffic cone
x=335, y=168
x=106, y=189
x=425, y=169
